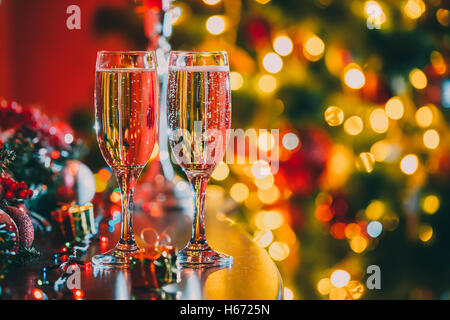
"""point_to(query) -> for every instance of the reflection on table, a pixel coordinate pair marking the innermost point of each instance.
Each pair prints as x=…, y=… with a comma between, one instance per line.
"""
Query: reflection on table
x=252, y=276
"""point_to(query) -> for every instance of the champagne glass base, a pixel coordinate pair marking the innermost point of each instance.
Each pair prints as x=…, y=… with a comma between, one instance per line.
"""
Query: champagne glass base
x=114, y=259
x=202, y=256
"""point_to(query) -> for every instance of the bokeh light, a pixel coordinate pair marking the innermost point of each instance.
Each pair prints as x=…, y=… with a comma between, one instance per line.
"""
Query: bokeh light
x=265, y=183
x=283, y=45
x=221, y=171
x=239, y=192
x=68, y=138
x=338, y=294
x=443, y=17
x=424, y=116
x=355, y=289
x=380, y=150
x=272, y=62
x=430, y=204
x=394, y=108
x=260, y=169
x=104, y=174
x=263, y=238
x=374, y=228
x=270, y=195
x=215, y=24
x=438, y=62
x=375, y=210
x=365, y=162
x=431, y=139
x=353, y=125
x=358, y=244
x=279, y=251
x=340, y=278
x=375, y=14
x=354, y=77
x=267, y=83
x=313, y=48
x=290, y=141
x=337, y=230
x=414, y=8
x=100, y=185
x=324, y=213
x=211, y=2
x=409, y=164
x=272, y=219
x=334, y=116
x=425, y=233
x=236, y=80
x=352, y=230
x=418, y=79
x=379, y=121
x=324, y=286
x=115, y=197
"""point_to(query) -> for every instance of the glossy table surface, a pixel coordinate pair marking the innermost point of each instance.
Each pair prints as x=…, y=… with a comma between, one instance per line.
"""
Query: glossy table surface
x=253, y=274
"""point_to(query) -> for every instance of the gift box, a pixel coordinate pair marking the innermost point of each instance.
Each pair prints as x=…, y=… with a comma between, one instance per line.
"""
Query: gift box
x=73, y=222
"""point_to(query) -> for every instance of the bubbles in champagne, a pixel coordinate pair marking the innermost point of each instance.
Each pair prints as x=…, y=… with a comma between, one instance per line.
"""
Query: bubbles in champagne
x=126, y=115
x=199, y=115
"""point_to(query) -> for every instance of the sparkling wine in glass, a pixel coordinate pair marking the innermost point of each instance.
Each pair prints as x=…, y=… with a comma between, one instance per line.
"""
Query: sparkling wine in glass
x=199, y=119
x=126, y=118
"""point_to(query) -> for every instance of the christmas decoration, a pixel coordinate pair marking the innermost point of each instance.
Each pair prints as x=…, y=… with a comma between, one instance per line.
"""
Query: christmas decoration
x=72, y=255
x=73, y=222
x=78, y=183
x=11, y=190
x=35, y=149
x=10, y=234
x=24, y=225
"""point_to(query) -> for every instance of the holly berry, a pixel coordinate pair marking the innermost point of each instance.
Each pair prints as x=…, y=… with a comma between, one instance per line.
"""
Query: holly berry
x=9, y=195
x=23, y=194
x=13, y=190
x=7, y=182
x=14, y=186
x=23, y=185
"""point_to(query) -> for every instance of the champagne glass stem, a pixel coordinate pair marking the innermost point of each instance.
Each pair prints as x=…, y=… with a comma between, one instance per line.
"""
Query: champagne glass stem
x=127, y=178
x=198, y=184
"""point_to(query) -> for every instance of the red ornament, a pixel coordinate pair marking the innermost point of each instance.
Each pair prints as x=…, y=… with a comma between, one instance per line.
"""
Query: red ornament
x=24, y=224
x=11, y=226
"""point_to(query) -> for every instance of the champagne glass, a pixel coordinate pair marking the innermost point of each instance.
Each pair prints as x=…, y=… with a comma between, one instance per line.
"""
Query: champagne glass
x=126, y=117
x=199, y=120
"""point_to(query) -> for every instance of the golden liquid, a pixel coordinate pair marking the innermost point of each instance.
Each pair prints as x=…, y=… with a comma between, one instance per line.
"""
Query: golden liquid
x=126, y=104
x=199, y=116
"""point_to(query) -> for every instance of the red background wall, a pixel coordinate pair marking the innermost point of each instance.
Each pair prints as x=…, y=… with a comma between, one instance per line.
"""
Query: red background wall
x=42, y=61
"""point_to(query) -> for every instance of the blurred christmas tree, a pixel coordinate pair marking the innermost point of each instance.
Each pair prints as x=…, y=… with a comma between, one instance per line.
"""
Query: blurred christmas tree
x=360, y=92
